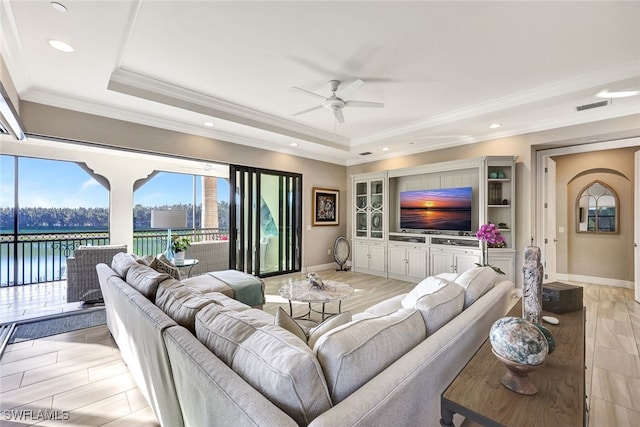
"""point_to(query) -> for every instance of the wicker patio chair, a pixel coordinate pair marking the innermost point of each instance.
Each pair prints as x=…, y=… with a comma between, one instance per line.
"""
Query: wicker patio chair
x=82, y=278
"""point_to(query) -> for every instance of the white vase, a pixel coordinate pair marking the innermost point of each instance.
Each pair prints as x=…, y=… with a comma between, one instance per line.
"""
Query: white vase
x=178, y=258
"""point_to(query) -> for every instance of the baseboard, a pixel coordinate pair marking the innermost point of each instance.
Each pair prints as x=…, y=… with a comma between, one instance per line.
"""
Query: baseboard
x=321, y=267
x=595, y=280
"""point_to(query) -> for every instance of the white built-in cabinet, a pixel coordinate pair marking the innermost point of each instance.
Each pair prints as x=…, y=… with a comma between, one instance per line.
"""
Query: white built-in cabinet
x=379, y=245
x=370, y=257
x=407, y=261
x=370, y=221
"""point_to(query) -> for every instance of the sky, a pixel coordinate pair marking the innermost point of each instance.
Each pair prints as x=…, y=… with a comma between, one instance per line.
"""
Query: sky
x=50, y=183
x=443, y=198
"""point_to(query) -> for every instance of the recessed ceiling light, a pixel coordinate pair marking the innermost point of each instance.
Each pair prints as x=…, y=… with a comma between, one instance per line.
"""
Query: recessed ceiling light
x=58, y=6
x=385, y=149
x=620, y=94
x=60, y=45
x=494, y=125
x=208, y=124
x=294, y=144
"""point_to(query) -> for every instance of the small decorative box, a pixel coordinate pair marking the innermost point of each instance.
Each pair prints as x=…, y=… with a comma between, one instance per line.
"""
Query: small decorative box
x=561, y=297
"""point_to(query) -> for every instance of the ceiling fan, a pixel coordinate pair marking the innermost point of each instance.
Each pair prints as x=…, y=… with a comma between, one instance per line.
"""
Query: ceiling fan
x=336, y=102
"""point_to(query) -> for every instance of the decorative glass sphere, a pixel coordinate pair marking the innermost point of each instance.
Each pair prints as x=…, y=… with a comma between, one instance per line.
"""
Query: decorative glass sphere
x=518, y=341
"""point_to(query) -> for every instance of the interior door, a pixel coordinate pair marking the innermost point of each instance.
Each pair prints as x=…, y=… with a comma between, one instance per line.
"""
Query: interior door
x=636, y=239
x=550, y=238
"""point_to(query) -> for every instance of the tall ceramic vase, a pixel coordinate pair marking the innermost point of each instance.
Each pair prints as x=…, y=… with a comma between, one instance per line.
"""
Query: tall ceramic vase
x=532, y=272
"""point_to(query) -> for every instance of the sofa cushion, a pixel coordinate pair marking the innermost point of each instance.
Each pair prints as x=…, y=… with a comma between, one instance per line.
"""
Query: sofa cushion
x=352, y=354
x=272, y=360
x=206, y=283
x=180, y=303
x=143, y=259
x=476, y=282
x=440, y=307
x=310, y=335
x=425, y=287
x=145, y=280
x=121, y=263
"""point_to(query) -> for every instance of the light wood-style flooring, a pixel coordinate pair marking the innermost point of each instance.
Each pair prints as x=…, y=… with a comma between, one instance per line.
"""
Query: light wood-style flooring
x=81, y=371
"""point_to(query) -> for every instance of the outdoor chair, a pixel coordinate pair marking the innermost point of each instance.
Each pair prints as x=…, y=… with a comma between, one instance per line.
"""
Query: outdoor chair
x=82, y=278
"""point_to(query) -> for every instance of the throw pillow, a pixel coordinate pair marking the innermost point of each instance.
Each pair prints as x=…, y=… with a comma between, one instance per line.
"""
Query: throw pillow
x=425, y=287
x=310, y=335
x=270, y=359
x=165, y=267
x=477, y=282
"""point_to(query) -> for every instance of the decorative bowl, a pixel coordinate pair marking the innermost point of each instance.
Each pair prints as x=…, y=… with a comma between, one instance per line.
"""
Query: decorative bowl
x=517, y=376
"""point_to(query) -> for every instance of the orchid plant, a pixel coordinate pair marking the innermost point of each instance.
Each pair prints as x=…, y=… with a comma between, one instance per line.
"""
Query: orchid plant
x=490, y=236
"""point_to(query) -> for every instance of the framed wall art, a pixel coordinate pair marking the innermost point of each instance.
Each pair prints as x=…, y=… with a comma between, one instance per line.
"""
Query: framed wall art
x=325, y=206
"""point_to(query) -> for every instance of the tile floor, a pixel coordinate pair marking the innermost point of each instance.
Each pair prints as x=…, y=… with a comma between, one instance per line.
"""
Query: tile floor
x=81, y=371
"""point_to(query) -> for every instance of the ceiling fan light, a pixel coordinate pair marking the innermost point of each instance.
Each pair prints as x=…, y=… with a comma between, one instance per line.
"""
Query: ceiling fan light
x=494, y=125
x=58, y=6
x=208, y=124
x=616, y=94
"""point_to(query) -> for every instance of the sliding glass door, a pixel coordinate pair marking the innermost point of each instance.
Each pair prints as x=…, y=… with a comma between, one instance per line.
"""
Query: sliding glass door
x=265, y=214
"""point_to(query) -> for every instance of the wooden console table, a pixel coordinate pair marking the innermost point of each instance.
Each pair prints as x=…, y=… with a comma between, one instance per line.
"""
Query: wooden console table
x=476, y=393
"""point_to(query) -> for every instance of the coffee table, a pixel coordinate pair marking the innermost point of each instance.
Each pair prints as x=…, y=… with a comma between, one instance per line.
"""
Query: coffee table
x=302, y=291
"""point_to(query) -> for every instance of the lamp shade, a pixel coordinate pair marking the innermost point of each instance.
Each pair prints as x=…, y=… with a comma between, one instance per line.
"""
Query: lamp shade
x=168, y=219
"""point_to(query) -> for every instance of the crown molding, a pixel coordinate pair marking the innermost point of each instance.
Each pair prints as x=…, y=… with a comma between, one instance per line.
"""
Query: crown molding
x=118, y=113
x=554, y=90
x=140, y=86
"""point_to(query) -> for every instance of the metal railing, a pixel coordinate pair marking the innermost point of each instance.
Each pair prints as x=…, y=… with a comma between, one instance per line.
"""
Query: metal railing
x=42, y=257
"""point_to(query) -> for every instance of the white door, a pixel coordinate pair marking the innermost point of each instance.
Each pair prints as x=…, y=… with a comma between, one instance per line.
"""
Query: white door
x=397, y=261
x=636, y=239
x=378, y=258
x=360, y=256
x=440, y=262
x=417, y=263
x=550, y=238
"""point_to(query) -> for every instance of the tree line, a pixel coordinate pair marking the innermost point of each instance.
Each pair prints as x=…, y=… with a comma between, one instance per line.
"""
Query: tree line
x=96, y=219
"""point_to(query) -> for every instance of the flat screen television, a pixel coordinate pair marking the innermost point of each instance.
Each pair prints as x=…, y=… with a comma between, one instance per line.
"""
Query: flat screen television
x=444, y=209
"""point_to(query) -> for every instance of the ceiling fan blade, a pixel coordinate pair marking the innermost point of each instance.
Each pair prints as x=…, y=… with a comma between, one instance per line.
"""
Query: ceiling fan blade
x=308, y=92
x=364, y=104
x=339, y=116
x=317, y=107
x=350, y=89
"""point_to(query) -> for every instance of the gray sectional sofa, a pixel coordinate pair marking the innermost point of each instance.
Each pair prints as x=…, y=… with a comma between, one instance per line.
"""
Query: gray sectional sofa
x=202, y=358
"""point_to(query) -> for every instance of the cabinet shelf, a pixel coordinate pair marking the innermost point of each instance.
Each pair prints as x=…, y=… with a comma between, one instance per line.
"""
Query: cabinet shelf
x=498, y=206
x=499, y=179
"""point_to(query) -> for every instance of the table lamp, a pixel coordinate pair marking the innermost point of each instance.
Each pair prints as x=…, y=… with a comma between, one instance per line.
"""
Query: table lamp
x=168, y=219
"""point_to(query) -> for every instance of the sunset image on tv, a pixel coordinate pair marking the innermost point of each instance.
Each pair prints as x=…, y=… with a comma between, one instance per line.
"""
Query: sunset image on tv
x=439, y=209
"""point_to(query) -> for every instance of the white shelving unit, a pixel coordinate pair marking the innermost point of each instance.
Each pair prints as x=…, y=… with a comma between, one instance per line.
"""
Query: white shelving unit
x=382, y=248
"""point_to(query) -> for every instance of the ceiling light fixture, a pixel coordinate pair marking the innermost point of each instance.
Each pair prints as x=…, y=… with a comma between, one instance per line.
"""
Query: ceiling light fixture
x=385, y=149
x=294, y=144
x=208, y=124
x=494, y=125
x=58, y=6
x=60, y=45
x=619, y=94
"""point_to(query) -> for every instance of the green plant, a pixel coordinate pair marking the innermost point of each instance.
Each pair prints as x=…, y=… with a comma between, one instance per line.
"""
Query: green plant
x=180, y=243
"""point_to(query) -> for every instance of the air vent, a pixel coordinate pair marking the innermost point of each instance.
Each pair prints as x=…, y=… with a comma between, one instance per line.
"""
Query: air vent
x=594, y=105
x=366, y=153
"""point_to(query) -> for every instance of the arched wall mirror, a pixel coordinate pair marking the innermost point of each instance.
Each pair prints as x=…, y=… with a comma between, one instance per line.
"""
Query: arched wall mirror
x=597, y=209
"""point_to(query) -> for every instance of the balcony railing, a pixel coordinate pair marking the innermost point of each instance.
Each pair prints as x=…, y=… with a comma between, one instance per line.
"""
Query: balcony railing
x=42, y=257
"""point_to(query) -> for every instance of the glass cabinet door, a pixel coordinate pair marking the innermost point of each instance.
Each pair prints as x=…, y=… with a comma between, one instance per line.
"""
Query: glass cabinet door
x=377, y=211
x=362, y=199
